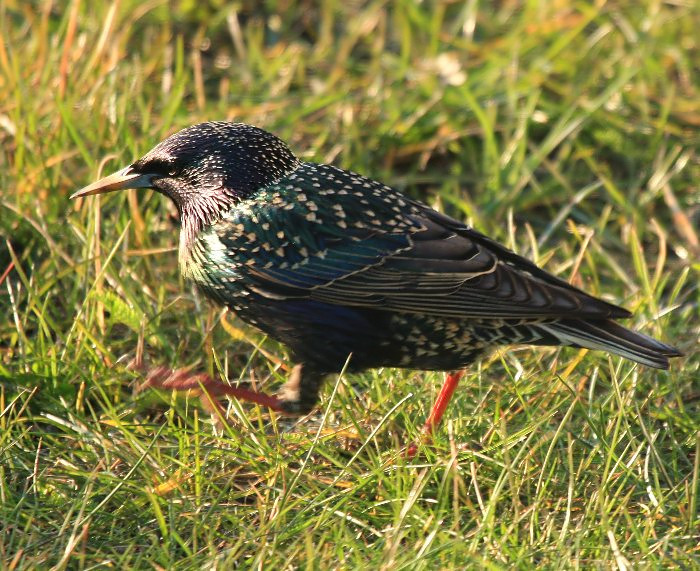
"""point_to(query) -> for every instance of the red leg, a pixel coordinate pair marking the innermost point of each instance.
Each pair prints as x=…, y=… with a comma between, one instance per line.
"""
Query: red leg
x=438, y=410
x=181, y=380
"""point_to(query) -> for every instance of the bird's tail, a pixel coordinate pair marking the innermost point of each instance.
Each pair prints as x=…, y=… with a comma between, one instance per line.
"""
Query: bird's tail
x=607, y=335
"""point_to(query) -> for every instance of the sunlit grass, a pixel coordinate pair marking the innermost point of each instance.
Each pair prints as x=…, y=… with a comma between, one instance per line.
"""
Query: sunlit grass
x=566, y=131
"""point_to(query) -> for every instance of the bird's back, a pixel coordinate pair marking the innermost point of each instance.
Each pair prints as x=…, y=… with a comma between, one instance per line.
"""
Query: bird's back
x=333, y=263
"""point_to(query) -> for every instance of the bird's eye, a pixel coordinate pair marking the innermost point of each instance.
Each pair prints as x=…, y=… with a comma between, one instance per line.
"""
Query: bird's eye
x=162, y=167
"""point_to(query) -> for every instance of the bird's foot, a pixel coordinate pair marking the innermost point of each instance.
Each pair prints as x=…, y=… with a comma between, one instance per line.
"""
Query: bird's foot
x=299, y=394
x=209, y=389
x=436, y=413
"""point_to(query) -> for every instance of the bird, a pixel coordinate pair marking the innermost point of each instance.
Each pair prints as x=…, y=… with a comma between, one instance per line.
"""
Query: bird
x=352, y=274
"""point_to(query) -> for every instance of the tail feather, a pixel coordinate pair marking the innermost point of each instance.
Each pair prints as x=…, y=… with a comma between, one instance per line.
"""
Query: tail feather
x=607, y=335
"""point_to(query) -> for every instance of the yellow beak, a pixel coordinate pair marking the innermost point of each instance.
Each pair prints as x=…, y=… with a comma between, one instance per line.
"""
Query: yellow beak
x=125, y=178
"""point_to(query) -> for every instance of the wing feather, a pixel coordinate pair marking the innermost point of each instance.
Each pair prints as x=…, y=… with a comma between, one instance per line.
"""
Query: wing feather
x=361, y=249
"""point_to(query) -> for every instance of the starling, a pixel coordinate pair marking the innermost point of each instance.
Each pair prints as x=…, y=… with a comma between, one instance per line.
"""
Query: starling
x=338, y=266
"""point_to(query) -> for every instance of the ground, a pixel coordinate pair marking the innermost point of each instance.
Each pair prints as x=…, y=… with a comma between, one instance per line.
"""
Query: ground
x=568, y=131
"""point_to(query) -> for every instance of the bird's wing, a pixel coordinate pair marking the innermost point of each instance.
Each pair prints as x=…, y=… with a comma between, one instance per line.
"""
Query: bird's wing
x=372, y=247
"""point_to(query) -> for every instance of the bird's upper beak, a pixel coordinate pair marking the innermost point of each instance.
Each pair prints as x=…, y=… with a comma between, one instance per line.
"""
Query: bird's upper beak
x=125, y=178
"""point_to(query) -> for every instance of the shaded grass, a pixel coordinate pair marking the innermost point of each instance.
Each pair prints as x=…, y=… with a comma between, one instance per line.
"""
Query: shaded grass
x=567, y=132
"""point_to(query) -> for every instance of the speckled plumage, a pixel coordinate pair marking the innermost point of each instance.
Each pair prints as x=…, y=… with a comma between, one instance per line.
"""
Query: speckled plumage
x=332, y=263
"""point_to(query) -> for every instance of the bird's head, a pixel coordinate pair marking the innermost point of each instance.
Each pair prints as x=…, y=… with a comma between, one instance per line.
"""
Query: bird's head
x=205, y=169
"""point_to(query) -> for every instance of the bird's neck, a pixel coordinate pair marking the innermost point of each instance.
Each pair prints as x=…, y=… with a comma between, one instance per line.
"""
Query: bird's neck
x=199, y=211
x=195, y=216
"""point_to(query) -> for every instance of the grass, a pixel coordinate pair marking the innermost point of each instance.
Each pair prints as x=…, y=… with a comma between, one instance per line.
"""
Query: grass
x=567, y=130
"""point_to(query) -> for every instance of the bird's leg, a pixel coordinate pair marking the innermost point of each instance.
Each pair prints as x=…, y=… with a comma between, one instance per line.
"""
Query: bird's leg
x=182, y=380
x=443, y=399
x=300, y=393
x=438, y=410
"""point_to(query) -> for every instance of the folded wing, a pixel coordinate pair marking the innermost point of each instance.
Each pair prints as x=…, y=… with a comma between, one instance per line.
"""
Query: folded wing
x=375, y=248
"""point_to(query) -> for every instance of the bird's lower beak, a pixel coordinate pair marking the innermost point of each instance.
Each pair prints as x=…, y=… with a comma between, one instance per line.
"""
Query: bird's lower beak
x=125, y=178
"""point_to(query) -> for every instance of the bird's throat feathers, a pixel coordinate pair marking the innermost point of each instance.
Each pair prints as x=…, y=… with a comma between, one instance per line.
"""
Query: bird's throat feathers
x=195, y=217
